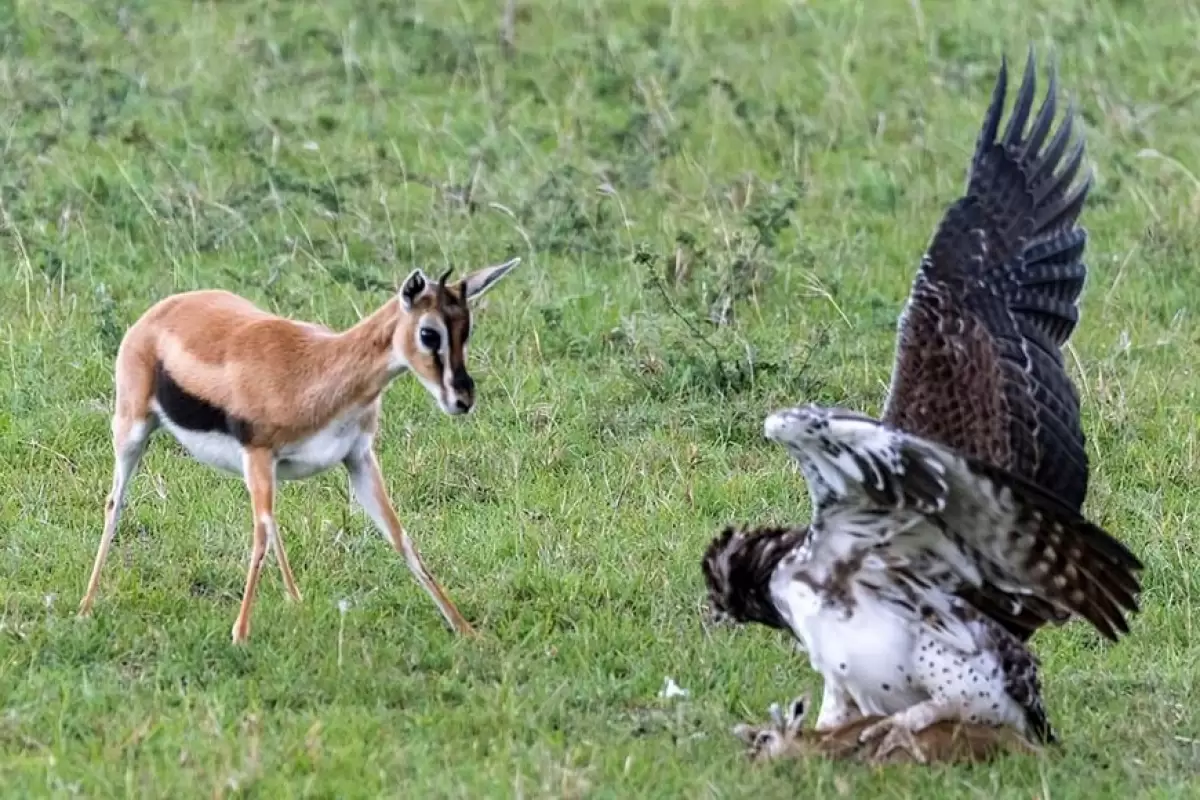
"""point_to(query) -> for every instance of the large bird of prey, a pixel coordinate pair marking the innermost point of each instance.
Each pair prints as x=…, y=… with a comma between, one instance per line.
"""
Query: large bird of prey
x=945, y=533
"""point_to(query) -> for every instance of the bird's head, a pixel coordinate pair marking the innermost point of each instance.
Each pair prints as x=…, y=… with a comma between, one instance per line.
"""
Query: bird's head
x=738, y=565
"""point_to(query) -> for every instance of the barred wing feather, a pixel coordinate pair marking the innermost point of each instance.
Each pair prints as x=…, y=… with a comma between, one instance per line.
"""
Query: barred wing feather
x=982, y=524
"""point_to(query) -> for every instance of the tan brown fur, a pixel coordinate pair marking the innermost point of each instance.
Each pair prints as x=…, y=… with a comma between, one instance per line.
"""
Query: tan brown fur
x=944, y=742
x=289, y=377
x=282, y=386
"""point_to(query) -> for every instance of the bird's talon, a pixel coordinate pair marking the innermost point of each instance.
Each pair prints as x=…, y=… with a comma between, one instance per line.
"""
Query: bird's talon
x=873, y=732
x=901, y=738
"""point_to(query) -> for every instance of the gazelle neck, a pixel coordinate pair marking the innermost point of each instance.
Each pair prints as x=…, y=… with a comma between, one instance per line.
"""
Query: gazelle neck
x=356, y=365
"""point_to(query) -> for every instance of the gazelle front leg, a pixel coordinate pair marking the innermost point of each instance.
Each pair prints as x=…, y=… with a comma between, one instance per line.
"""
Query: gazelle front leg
x=259, y=469
x=129, y=444
x=366, y=479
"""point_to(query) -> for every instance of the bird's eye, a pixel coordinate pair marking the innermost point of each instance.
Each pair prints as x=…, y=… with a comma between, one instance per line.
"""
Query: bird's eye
x=430, y=339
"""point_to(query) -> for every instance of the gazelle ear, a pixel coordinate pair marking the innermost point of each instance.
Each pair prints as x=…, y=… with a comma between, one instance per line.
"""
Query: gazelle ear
x=411, y=289
x=481, y=280
x=795, y=714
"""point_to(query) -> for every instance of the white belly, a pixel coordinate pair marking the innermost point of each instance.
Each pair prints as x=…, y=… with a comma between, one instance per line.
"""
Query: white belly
x=218, y=450
x=326, y=448
x=870, y=654
x=316, y=453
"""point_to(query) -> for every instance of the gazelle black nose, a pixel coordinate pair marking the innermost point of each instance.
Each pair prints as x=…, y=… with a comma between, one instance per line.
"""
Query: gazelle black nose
x=462, y=382
x=462, y=404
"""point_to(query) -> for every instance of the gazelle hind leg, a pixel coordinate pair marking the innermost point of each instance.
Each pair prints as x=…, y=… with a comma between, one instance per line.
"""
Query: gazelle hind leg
x=129, y=444
x=289, y=581
x=259, y=467
x=367, y=482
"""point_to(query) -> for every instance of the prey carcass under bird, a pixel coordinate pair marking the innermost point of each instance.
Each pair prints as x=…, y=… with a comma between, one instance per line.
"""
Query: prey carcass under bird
x=946, y=533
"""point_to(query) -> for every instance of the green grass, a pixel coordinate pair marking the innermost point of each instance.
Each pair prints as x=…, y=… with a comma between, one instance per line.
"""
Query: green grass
x=781, y=163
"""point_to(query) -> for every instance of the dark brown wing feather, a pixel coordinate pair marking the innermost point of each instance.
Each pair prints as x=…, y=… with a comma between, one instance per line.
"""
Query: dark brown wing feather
x=1071, y=559
x=979, y=365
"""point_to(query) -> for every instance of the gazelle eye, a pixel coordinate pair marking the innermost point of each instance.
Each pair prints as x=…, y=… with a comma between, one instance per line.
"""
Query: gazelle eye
x=430, y=339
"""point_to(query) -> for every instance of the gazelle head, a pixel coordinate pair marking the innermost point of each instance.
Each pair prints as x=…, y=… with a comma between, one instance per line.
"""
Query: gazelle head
x=782, y=735
x=431, y=337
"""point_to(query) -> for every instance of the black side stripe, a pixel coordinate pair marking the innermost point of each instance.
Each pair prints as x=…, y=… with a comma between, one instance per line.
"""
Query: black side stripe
x=195, y=413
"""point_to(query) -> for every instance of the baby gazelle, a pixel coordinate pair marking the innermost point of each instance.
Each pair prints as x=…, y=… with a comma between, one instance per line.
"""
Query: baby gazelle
x=270, y=399
x=942, y=742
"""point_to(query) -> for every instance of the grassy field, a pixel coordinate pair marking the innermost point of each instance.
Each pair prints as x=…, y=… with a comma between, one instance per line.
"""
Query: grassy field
x=719, y=207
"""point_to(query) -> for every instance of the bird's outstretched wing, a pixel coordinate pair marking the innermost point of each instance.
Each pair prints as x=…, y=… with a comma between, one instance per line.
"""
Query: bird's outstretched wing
x=978, y=365
x=902, y=504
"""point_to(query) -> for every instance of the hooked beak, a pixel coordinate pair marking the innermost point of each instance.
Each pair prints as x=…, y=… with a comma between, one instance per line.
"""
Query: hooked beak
x=713, y=617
